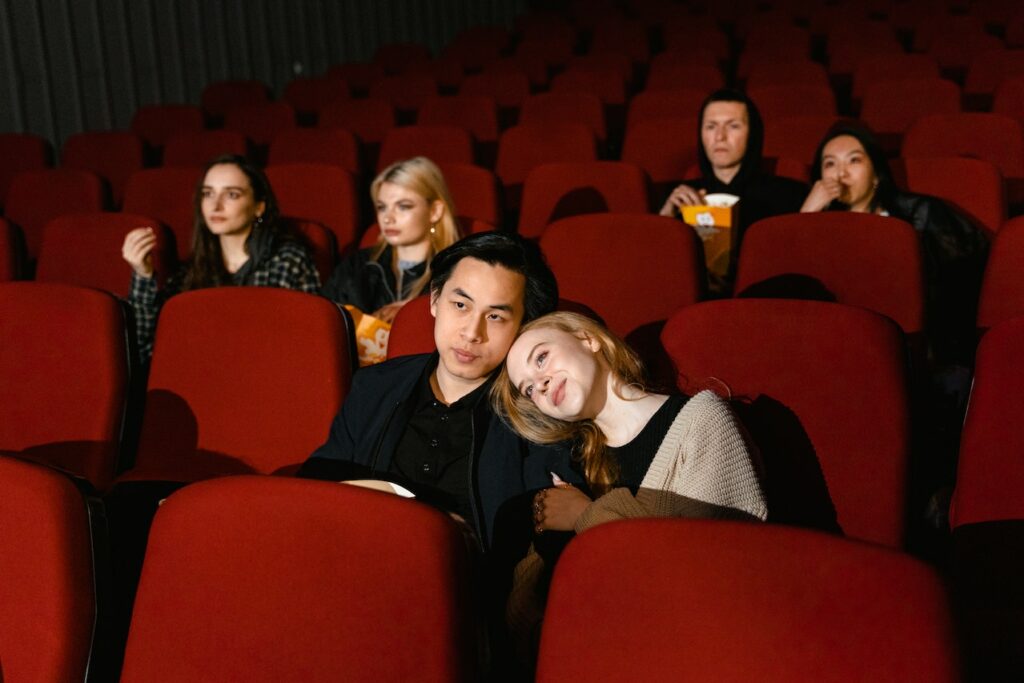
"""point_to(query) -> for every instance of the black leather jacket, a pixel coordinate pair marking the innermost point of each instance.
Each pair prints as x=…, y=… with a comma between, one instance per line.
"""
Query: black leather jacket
x=369, y=284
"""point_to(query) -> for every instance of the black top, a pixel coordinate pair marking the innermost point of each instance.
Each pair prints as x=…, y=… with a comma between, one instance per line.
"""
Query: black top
x=634, y=458
x=370, y=284
x=433, y=453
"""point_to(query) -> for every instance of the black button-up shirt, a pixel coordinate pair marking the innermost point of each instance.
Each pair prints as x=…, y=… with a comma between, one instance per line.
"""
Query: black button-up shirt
x=434, y=452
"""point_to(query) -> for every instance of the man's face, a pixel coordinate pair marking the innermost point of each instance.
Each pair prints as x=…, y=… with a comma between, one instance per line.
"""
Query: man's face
x=476, y=317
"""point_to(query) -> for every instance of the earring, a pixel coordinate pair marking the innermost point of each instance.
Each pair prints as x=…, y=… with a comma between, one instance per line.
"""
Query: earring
x=259, y=219
x=433, y=229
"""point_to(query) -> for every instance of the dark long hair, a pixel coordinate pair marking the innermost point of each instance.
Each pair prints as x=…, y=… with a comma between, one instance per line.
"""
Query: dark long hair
x=205, y=267
x=886, y=190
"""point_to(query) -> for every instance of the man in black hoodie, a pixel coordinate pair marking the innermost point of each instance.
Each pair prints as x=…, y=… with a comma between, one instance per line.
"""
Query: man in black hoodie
x=731, y=138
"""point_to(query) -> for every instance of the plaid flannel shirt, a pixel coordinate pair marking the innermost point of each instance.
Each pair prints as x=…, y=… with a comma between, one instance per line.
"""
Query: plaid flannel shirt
x=290, y=267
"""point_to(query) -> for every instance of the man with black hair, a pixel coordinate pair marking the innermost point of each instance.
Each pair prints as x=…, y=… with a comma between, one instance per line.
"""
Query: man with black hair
x=425, y=421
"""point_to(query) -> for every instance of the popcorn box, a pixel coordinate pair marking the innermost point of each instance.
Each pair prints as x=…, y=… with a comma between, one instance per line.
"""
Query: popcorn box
x=716, y=223
x=371, y=336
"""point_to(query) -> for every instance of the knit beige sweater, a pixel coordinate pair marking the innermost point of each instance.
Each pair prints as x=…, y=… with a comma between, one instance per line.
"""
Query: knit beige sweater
x=704, y=468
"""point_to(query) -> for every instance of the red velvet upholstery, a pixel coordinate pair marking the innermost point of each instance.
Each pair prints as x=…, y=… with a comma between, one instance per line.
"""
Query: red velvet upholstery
x=864, y=260
x=1002, y=289
x=990, y=68
x=112, y=155
x=436, y=142
x=320, y=242
x=993, y=137
x=260, y=123
x=358, y=75
x=478, y=114
x=35, y=197
x=891, y=107
x=523, y=147
x=412, y=331
x=665, y=104
x=405, y=92
x=670, y=76
x=560, y=190
x=274, y=579
x=217, y=98
x=84, y=249
x=11, y=256
x=200, y=147
x=557, y=107
x=158, y=123
x=632, y=269
x=990, y=474
x=309, y=95
x=474, y=191
x=783, y=73
x=680, y=600
x=779, y=101
x=318, y=192
x=46, y=625
x=1009, y=96
x=335, y=146
x=973, y=186
x=796, y=137
x=368, y=119
x=663, y=148
x=608, y=84
x=824, y=386
x=65, y=373
x=892, y=67
x=243, y=380
x=624, y=37
x=478, y=46
x=508, y=88
x=166, y=194
x=20, y=152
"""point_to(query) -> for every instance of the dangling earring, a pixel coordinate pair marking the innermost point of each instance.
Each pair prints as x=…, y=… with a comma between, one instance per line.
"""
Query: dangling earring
x=433, y=229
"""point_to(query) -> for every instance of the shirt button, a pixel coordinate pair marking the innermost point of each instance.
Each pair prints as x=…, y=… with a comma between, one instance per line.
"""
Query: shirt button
x=433, y=443
x=444, y=418
x=426, y=468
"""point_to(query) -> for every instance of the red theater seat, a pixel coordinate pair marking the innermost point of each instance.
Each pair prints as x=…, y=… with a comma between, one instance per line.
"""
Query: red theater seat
x=192, y=149
x=85, y=250
x=219, y=97
x=65, y=370
x=12, y=255
x=972, y=186
x=158, y=123
x=212, y=411
x=258, y=578
x=874, y=262
x=1002, y=289
x=823, y=394
x=20, y=152
x=48, y=589
x=560, y=190
x=318, y=192
x=260, y=123
x=35, y=197
x=632, y=269
x=335, y=146
x=112, y=155
x=523, y=147
x=673, y=599
x=166, y=194
x=565, y=107
x=436, y=142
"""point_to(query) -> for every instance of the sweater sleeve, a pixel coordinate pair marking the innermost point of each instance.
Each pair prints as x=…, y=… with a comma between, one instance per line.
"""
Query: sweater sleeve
x=705, y=467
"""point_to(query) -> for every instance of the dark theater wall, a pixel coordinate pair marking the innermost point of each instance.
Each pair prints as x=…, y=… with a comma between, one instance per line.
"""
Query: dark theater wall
x=73, y=65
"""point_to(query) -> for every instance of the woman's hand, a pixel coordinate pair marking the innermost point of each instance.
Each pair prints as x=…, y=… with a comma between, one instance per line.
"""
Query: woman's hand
x=138, y=251
x=824, y=192
x=684, y=195
x=558, y=508
x=388, y=312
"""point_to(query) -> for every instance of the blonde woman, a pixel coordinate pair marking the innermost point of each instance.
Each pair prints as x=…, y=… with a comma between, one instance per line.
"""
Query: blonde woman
x=643, y=454
x=417, y=219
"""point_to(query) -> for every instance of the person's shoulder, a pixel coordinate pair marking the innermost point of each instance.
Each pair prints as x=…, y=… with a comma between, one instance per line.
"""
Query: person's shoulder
x=392, y=371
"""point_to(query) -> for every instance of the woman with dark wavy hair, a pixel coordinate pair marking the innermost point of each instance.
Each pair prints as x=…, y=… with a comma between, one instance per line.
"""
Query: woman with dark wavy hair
x=237, y=239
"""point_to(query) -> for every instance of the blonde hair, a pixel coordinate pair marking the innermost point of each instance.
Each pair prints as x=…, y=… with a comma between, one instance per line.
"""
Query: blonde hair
x=527, y=420
x=422, y=176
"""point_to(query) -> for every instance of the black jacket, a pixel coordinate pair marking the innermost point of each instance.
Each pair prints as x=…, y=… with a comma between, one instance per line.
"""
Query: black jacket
x=365, y=434
x=369, y=284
